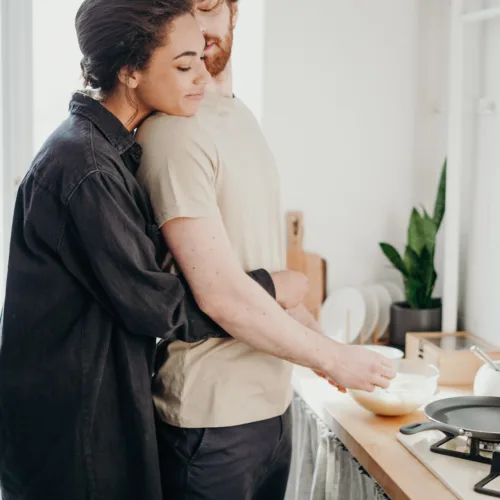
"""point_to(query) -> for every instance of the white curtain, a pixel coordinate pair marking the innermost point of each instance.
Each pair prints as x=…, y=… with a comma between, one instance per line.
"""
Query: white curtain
x=322, y=468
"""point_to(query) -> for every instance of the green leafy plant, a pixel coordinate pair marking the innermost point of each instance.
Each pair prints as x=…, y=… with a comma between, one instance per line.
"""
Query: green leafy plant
x=417, y=265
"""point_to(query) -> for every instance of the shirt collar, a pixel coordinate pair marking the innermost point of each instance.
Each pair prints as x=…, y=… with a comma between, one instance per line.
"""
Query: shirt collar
x=106, y=122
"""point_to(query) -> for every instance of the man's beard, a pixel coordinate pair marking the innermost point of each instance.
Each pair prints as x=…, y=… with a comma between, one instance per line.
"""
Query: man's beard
x=217, y=61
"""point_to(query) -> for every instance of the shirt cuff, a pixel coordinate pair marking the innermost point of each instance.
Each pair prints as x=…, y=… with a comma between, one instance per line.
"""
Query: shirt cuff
x=263, y=278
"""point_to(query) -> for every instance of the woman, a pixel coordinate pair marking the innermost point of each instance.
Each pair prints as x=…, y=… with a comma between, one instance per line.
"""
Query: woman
x=85, y=297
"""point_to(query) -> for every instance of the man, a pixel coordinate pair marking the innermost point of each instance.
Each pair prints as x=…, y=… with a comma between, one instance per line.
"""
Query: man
x=223, y=405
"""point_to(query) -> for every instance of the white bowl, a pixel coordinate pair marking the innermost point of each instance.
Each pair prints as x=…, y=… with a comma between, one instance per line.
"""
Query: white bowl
x=388, y=352
x=487, y=381
x=415, y=384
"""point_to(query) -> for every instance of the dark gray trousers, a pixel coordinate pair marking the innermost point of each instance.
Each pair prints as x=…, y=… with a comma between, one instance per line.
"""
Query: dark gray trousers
x=245, y=462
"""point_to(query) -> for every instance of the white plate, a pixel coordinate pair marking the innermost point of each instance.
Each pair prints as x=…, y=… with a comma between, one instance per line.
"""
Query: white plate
x=344, y=303
x=395, y=291
x=384, y=300
x=372, y=312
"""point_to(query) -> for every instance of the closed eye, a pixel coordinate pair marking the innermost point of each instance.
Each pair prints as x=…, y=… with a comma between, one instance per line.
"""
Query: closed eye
x=211, y=6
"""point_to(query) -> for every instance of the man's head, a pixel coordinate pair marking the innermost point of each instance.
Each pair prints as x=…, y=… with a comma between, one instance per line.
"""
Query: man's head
x=217, y=19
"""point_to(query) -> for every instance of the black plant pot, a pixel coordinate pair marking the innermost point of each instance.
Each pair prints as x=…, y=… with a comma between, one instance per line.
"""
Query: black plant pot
x=404, y=320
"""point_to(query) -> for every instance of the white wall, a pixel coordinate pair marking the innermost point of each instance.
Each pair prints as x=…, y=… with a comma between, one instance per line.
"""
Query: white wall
x=431, y=109
x=480, y=232
x=17, y=107
x=248, y=55
x=56, y=64
x=3, y=229
x=340, y=109
x=481, y=274
x=355, y=107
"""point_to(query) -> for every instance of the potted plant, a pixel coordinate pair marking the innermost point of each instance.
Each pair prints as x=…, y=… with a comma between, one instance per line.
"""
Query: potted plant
x=420, y=312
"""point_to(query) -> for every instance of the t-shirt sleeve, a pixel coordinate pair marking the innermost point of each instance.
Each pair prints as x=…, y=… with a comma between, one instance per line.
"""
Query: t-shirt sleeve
x=178, y=168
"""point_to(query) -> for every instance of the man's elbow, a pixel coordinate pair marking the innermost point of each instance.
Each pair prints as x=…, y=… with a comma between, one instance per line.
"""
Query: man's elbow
x=225, y=300
x=221, y=307
x=211, y=305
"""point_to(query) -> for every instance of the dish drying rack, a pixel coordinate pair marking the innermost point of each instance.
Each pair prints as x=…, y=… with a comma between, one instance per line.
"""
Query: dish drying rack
x=375, y=337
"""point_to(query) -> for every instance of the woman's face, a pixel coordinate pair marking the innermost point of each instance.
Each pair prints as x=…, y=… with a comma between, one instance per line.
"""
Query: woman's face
x=174, y=80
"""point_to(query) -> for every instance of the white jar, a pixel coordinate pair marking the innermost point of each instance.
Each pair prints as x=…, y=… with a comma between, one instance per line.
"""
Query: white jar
x=487, y=381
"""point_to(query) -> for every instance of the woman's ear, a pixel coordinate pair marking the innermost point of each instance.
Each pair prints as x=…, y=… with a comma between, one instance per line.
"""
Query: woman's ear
x=129, y=78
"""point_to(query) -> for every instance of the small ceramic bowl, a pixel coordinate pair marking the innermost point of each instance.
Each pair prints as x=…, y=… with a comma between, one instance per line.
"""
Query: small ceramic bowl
x=487, y=381
x=388, y=352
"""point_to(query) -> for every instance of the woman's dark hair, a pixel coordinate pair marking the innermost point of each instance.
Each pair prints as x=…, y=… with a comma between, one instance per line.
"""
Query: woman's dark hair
x=114, y=34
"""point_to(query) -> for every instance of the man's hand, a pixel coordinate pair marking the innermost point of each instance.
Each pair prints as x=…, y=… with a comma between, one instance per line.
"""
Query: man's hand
x=356, y=367
x=305, y=317
x=353, y=367
x=291, y=288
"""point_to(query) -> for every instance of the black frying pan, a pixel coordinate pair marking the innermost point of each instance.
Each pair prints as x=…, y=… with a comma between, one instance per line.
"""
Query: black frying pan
x=471, y=416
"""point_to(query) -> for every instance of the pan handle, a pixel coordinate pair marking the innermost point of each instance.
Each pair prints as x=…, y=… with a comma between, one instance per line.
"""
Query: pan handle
x=449, y=430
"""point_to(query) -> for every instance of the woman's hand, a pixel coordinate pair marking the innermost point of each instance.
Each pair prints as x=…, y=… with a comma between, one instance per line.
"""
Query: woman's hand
x=291, y=288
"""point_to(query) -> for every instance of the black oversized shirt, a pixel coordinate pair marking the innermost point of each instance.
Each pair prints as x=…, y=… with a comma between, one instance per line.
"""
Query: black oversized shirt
x=85, y=302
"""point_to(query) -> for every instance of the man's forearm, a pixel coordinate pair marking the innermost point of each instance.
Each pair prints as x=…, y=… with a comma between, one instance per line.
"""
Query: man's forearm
x=252, y=318
x=199, y=326
x=235, y=302
x=305, y=317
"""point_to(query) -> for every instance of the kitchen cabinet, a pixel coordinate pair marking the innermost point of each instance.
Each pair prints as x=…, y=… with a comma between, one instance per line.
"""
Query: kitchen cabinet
x=322, y=467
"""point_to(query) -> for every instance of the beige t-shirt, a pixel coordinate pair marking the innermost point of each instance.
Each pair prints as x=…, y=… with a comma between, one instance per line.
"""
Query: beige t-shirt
x=218, y=162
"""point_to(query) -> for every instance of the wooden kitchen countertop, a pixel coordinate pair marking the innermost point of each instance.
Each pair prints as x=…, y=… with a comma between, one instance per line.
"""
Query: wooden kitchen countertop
x=372, y=439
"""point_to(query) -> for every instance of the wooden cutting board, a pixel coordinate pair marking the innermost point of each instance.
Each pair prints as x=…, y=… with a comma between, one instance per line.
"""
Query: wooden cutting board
x=311, y=264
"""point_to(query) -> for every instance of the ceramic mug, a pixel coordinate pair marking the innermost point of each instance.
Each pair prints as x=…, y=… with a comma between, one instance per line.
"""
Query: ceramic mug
x=487, y=381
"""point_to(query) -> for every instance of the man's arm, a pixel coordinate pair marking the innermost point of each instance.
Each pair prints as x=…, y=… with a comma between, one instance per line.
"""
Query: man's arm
x=224, y=292
x=198, y=326
x=179, y=170
x=120, y=262
x=304, y=317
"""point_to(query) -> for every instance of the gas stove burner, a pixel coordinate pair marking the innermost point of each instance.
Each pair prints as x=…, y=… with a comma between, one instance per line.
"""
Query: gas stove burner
x=473, y=449
x=466, y=448
x=489, y=446
x=482, y=486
